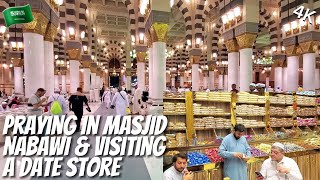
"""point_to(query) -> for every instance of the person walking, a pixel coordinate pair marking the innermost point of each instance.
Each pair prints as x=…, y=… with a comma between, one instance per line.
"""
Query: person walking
x=62, y=102
x=106, y=98
x=120, y=102
x=76, y=102
x=137, y=101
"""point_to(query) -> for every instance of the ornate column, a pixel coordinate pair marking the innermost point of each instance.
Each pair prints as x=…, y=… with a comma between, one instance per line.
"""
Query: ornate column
x=205, y=79
x=74, y=56
x=268, y=73
x=195, y=60
x=233, y=62
x=93, y=69
x=18, y=76
x=245, y=42
x=141, y=68
x=151, y=83
x=64, y=81
x=309, y=65
x=173, y=80
x=34, y=53
x=56, y=78
x=158, y=35
x=49, y=58
x=86, y=77
x=181, y=78
x=225, y=81
x=317, y=77
x=293, y=66
x=220, y=86
x=284, y=77
x=97, y=79
x=278, y=75
x=211, y=75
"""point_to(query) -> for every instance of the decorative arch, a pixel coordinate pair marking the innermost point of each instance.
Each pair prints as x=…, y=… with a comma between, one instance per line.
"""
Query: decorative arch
x=114, y=63
x=271, y=25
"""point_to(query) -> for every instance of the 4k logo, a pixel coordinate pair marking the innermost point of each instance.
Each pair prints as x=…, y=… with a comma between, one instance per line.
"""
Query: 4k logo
x=308, y=14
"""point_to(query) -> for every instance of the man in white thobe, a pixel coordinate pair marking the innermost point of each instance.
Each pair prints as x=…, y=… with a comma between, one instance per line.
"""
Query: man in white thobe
x=120, y=102
x=4, y=107
x=57, y=97
x=137, y=102
x=106, y=97
x=279, y=166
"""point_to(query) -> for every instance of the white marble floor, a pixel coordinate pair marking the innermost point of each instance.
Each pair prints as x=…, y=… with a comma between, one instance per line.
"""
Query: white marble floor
x=133, y=168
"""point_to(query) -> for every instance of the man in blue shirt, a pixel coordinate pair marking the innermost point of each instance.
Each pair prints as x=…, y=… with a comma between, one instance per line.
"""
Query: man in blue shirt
x=235, y=151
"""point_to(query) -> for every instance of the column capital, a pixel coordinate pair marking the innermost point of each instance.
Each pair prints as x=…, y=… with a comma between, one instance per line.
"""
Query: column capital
x=293, y=50
x=194, y=59
x=278, y=63
x=86, y=64
x=17, y=62
x=93, y=67
x=141, y=56
x=128, y=72
x=38, y=25
x=246, y=40
x=158, y=32
x=232, y=45
x=212, y=67
x=309, y=46
x=63, y=72
x=51, y=32
x=74, y=54
x=56, y=72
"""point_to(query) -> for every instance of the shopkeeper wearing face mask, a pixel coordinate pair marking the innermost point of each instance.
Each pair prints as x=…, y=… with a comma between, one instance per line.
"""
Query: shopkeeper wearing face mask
x=279, y=166
x=236, y=152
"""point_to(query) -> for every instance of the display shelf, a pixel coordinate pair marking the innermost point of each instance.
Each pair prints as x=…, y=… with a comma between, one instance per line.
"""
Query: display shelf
x=215, y=115
x=174, y=114
x=210, y=100
x=250, y=115
x=173, y=98
x=175, y=129
x=254, y=103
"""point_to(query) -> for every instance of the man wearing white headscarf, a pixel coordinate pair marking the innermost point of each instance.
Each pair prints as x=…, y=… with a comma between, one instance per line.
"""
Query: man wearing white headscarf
x=4, y=107
x=279, y=166
x=106, y=98
x=137, y=102
x=57, y=97
x=120, y=102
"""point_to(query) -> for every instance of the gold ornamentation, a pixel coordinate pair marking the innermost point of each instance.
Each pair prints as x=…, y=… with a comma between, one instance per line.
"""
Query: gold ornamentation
x=308, y=47
x=63, y=72
x=51, y=33
x=56, y=72
x=86, y=64
x=212, y=67
x=74, y=54
x=195, y=59
x=232, y=45
x=141, y=57
x=17, y=62
x=128, y=73
x=292, y=50
x=246, y=40
x=284, y=64
x=277, y=63
x=149, y=40
x=93, y=69
x=38, y=25
x=159, y=32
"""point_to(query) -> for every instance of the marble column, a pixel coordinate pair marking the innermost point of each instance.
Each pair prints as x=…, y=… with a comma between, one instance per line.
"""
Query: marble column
x=245, y=42
x=33, y=38
x=195, y=79
x=181, y=79
x=220, y=86
x=56, y=79
x=93, y=76
x=141, y=68
x=233, y=63
x=74, y=55
x=64, y=81
x=225, y=82
x=49, y=58
x=292, y=73
x=173, y=81
x=211, y=75
x=309, y=67
x=278, y=78
x=86, y=77
x=151, y=83
x=18, y=76
x=317, y=78
x=284, y=79
x=205, y=82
